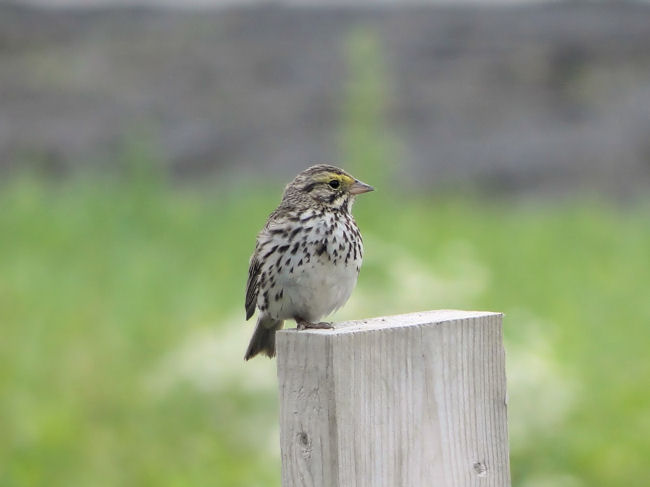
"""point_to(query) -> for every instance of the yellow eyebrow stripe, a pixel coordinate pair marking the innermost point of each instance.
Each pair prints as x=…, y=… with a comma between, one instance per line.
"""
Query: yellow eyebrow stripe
x=327, y=177
x=345, y=178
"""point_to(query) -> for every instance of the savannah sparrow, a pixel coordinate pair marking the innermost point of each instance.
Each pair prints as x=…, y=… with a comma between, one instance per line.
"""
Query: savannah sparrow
x=307, y=256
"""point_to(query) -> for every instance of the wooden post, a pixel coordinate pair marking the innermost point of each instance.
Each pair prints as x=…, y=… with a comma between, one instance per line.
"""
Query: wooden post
x=415, y=400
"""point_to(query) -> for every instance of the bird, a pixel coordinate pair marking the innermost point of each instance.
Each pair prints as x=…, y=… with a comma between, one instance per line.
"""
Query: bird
x=307, y=257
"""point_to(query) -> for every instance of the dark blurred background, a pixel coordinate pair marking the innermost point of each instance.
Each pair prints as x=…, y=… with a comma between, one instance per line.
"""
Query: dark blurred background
x=523, y=98
x=143, y=146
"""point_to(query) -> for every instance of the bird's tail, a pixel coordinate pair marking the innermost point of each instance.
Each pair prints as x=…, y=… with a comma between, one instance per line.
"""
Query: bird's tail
x=263, y=340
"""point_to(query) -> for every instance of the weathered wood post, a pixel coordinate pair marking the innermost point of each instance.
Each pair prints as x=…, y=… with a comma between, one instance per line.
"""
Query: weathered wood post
x=416, y=400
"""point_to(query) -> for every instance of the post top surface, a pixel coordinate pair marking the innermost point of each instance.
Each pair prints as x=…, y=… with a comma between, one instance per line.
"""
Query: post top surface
x=397, y=321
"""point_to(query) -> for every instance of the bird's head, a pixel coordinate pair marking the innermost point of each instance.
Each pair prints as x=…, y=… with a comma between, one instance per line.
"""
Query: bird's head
x=327, y=185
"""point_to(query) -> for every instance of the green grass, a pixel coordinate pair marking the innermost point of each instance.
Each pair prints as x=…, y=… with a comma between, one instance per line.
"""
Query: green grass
x=120, y=354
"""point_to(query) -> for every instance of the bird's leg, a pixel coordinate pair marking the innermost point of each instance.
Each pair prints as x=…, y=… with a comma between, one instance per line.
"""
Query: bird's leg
x=308, y=325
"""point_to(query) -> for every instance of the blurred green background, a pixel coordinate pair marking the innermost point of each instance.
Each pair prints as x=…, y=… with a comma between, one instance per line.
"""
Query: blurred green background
x=121, y=309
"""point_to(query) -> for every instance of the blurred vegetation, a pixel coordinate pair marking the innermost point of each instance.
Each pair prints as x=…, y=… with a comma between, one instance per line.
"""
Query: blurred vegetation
x=101, y=281
x=367, y=146
x=121, y=306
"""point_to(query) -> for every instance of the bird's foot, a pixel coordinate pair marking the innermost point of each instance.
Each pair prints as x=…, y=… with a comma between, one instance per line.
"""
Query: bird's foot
x=308, y=325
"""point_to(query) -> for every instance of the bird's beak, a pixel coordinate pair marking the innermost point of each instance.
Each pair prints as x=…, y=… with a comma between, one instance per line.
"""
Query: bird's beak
x=358, y=187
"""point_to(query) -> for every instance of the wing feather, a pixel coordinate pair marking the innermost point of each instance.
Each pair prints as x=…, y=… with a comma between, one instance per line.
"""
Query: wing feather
x=252, y=286
x=255, y=266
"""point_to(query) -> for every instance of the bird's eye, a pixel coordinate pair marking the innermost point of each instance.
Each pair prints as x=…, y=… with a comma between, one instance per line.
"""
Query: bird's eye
x=334, y=183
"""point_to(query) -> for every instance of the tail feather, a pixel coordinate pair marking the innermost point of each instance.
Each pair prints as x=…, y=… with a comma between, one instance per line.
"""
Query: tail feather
x=263, y=339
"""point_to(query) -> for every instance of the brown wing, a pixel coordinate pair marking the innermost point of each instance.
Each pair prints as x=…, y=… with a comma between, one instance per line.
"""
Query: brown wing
x=255, y=266
x=252, y=286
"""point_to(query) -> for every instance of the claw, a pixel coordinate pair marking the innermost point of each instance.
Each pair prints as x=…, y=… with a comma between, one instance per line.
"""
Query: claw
x=308, y=325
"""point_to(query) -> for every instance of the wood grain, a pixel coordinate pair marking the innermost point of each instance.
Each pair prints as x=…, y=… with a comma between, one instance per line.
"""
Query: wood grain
x=409, y=400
